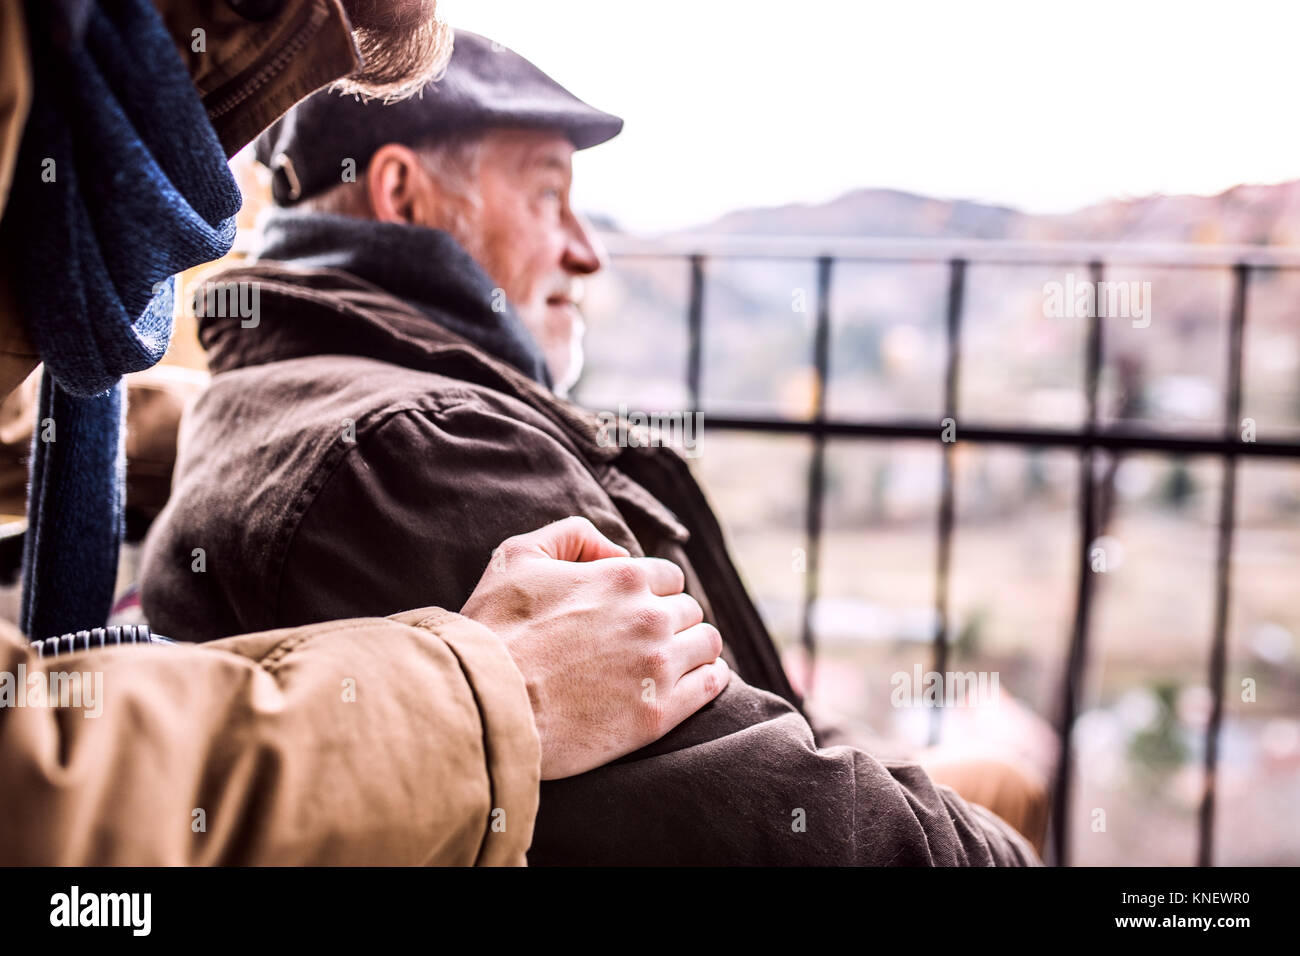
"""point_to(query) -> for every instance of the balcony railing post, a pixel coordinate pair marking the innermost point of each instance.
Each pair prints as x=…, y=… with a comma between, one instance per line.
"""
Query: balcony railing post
x=1077, y=658
x=943, y=550
x=1223, y=562
x=695, y=333
x=816, y=468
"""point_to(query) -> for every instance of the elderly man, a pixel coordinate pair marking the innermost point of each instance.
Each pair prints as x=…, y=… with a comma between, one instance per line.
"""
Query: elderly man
x=392, y=410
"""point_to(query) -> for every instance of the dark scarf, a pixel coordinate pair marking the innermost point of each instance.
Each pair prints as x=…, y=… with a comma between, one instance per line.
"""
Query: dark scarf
x=120, y=183
x=426, y=268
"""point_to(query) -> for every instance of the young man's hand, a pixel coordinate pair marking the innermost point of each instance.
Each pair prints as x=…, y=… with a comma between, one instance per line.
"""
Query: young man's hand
x=613, y=653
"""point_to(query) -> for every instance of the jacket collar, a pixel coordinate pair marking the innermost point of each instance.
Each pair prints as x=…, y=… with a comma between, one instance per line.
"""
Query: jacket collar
x=425, y=268
x=299, y=312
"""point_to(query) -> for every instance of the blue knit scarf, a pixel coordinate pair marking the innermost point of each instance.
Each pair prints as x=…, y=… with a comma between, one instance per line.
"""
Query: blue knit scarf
x=120, y=183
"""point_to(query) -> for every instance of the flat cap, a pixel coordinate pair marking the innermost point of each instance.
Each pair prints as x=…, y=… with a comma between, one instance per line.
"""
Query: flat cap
x=485, y=86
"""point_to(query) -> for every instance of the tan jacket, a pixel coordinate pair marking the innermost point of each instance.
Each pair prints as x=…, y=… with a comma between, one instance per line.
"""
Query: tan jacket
x=17, y=355
x=304, y=745
x=294, y=746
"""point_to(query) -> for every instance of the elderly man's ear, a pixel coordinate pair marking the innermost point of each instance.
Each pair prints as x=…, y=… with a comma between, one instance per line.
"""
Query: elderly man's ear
x=400, y=189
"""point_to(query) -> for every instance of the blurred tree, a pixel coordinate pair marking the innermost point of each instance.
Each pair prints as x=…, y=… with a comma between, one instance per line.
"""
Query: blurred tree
x=1178, y=486
x=1158, y=748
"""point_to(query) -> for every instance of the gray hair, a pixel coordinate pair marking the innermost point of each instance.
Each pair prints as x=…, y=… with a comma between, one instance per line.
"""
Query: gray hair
x=451, y=160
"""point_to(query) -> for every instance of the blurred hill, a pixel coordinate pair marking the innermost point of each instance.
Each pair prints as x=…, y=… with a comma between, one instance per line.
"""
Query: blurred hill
x=1248, y=215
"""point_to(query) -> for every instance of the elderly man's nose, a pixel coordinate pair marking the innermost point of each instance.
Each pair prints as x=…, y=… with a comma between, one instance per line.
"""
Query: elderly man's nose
x=584, y=253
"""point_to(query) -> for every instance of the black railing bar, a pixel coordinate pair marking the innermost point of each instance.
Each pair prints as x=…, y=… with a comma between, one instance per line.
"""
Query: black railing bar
x=1223, y=563
x=943, y=550
x=1111, y=440
x=973, y=251
x=816, y=470
x=1074, y=662
x=1093, y=355
x=822, y=336
x=695, y=331
x=1218, y=658
x=1077, y=656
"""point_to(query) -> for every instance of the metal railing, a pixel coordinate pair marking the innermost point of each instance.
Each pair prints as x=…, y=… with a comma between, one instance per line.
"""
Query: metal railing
x=1087, y=440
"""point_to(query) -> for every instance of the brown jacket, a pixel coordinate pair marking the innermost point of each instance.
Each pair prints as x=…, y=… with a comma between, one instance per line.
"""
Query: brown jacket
x=349, y=450
x=293, y=746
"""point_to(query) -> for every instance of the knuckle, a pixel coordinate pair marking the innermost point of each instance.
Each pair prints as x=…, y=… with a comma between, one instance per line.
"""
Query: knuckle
x=628, y=576
x=512, y=549
x=651, y=621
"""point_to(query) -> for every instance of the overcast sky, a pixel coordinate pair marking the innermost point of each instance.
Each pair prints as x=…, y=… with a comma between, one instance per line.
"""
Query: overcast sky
x=1045, y=106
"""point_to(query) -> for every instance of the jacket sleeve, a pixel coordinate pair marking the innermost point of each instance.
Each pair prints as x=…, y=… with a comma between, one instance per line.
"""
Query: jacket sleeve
x=17, y=354
x=297, y=746
x=742, y=782
x=15, y=91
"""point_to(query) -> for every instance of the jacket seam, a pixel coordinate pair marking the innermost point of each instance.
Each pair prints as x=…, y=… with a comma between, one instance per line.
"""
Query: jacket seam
x=275, y=657
x=309, y=23
x=273, y=660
